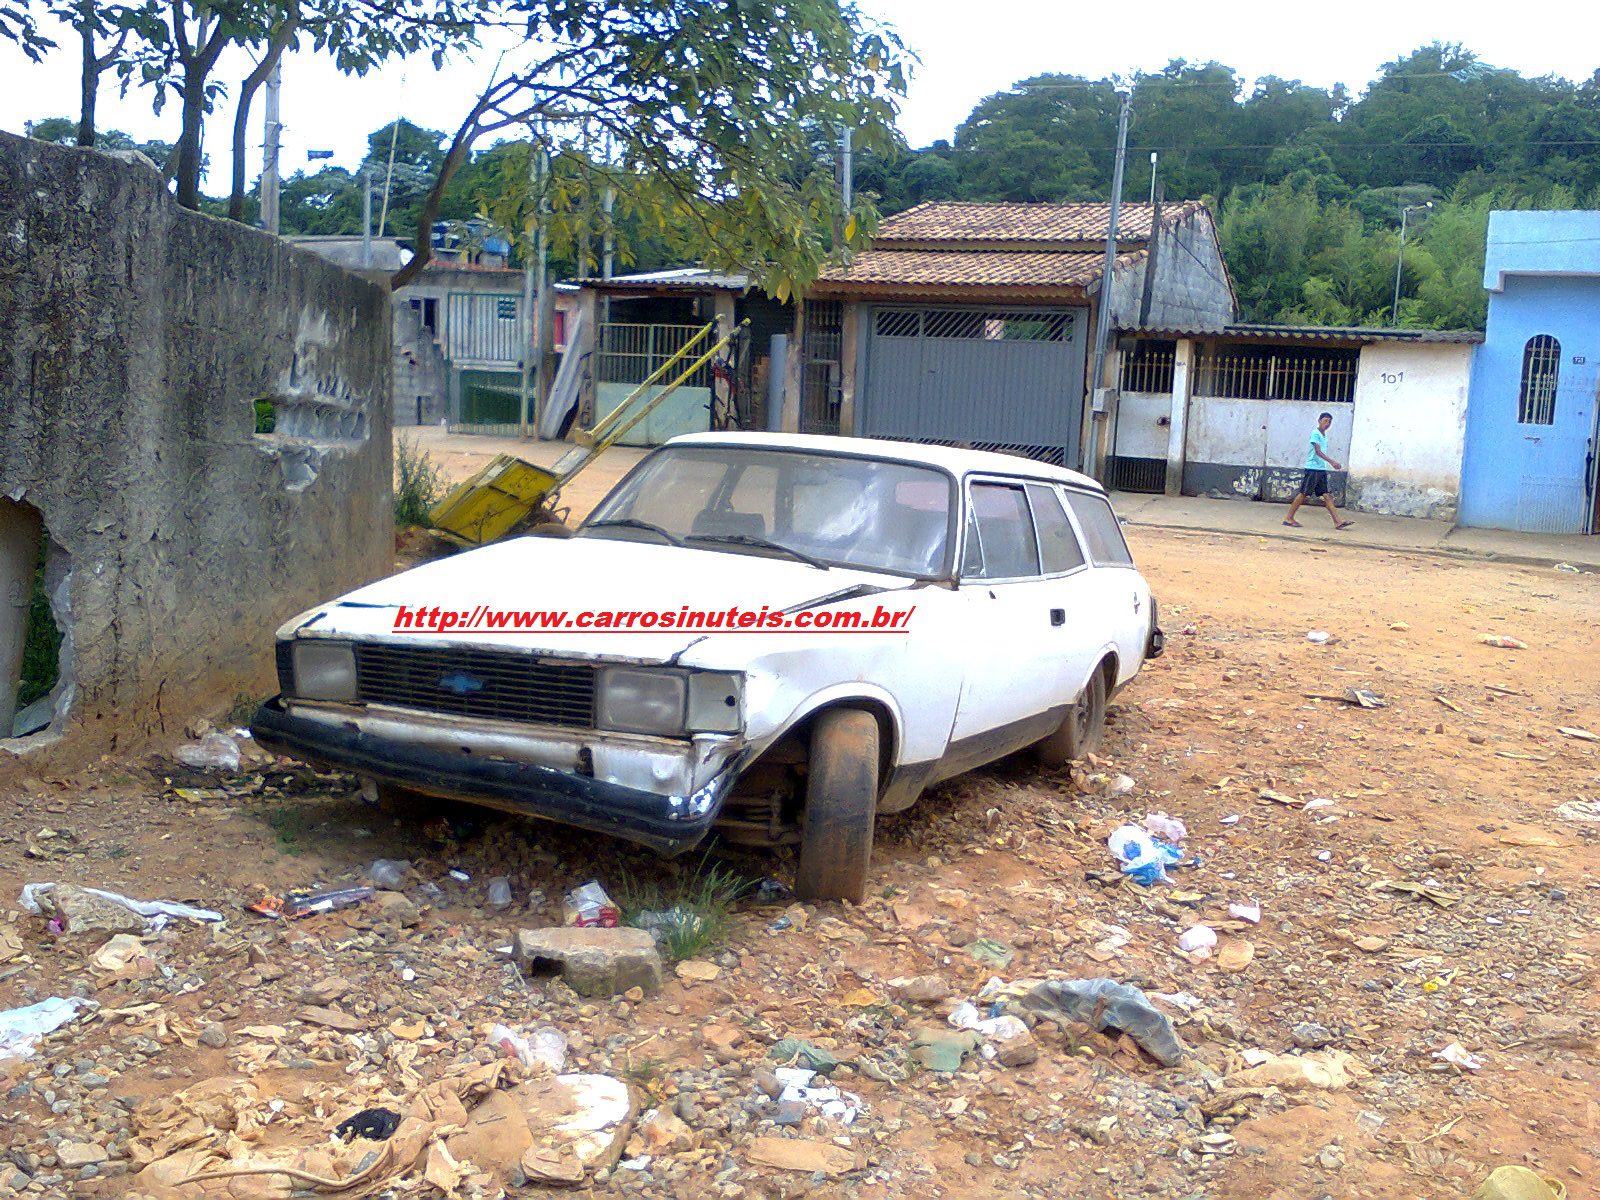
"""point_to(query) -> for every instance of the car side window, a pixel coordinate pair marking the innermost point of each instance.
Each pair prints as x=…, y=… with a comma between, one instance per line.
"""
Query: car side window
x=1058, y=544
x=1005, y=531
x=1100, y=530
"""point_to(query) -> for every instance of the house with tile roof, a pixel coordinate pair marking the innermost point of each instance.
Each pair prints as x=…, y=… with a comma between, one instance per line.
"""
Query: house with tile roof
x=973, y=323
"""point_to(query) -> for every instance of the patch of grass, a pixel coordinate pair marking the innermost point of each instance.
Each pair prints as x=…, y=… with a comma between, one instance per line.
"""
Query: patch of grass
x=696, y=902
x=418, y=484
x=266, y=415
x=244, y=707
x=645, y=1073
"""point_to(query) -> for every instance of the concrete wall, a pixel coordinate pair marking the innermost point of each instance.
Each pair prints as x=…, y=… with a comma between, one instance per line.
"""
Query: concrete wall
x=1550, y=243
x=136, y=338
x=1537, y=478
x=1256, y=449
x=1191, y=288
x=421, y=372
x=1409, y=430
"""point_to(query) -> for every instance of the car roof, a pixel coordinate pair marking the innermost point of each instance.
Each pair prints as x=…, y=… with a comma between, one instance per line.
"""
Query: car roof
x=950, y=458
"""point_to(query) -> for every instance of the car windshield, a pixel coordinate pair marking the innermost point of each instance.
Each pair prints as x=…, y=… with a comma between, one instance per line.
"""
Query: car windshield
x=838, y=510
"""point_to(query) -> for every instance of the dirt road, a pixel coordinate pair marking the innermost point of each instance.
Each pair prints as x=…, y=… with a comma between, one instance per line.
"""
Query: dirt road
x=1461, y=784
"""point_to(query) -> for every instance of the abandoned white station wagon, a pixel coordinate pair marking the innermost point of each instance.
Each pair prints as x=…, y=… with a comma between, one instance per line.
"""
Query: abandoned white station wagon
x=1026, y=614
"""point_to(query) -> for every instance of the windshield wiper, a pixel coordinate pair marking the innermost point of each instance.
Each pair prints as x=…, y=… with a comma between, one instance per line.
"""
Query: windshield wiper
x=634, y=523
x=759, y=543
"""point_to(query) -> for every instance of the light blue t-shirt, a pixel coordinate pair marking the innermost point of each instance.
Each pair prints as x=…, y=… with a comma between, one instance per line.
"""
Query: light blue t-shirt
x=1319, y=441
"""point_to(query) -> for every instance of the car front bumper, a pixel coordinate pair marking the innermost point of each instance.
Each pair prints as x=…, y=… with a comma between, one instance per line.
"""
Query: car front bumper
x=660, y=794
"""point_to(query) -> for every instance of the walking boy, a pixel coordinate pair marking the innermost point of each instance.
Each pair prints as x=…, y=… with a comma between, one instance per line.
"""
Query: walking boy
x=1315, y=480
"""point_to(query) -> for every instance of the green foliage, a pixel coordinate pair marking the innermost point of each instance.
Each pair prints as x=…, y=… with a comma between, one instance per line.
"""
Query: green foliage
x=418, y=485
x=266, y=416
x=41, y=649
x=697, y=899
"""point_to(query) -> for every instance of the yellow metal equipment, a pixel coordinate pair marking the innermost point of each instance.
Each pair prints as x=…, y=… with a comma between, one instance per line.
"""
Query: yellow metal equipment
x=502, y=495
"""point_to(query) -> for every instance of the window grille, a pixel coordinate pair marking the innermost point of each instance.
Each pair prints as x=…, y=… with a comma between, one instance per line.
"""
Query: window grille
x=1541, y=370
x=973, y=324
x=1148, y=366
x=821, y=380
x=1243, y=372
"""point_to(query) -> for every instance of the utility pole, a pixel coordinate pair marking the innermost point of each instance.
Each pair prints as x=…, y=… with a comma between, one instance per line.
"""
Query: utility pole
x=1102, y=325
x=1400, y=260
x=269, y=154
x=847, y=185
x=366, y=219
x=388, y=175
x=530, y=386
x=1153, y=157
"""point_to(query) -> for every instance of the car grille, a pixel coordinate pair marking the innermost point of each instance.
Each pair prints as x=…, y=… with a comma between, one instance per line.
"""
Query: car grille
x=495, y=684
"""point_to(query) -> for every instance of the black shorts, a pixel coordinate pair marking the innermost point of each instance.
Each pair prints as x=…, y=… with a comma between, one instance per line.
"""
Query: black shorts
x=1315, y=483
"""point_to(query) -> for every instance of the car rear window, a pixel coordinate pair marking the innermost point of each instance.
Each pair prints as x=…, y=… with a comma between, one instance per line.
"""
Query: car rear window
x=1100, y=530
x=1057, y=541
x=1005, y=533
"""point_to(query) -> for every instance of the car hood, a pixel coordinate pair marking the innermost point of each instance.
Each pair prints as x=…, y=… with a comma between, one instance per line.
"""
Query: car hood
x=590, y=574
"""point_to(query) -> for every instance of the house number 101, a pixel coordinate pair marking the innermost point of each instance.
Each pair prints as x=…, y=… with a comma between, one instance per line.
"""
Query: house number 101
x=1392, y=376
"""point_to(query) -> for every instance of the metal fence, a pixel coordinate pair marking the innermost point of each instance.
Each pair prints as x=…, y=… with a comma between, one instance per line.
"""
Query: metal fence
x=821, y=382
x=1148, y=366
x=632, y=353
x=1266, y=373
x=491, y=403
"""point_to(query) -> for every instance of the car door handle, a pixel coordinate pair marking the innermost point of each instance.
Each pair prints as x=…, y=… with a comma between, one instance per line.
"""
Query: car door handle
x=1058, y=616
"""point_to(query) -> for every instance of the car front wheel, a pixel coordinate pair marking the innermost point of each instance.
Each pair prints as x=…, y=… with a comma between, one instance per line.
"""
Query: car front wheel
x=1082, y=727
x=841, y=804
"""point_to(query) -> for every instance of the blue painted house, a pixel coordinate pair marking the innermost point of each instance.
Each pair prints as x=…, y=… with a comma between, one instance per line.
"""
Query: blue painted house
x=1532, y=434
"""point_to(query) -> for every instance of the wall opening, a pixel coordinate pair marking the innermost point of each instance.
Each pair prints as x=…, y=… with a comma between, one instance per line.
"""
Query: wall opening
x=33, y=658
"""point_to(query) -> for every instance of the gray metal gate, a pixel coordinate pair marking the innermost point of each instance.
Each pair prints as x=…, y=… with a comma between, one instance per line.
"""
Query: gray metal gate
x=991, y=379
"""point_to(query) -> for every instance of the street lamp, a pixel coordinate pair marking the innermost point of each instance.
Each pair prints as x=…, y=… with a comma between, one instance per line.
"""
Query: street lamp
x=1399, y=262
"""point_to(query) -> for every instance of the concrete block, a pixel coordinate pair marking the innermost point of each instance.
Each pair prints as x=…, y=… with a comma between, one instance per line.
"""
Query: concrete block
x=593, y=962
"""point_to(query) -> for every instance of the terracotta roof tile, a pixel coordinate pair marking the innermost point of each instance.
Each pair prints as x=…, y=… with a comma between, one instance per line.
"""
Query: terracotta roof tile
x=1033, y=270
x=967, y=222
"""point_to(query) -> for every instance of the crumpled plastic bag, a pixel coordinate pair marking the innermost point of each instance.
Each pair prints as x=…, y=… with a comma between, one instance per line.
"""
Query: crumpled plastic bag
x=21, y=1029
x=99, y=913
x=1106, y=1004
x=214, y=752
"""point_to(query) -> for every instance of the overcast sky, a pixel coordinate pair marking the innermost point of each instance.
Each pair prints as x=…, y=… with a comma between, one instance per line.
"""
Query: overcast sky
x=967, y=51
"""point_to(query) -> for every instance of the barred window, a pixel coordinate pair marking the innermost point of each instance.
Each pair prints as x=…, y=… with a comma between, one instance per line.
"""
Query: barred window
x=1255, y=372
x=1541, y=369
x=1148, y=366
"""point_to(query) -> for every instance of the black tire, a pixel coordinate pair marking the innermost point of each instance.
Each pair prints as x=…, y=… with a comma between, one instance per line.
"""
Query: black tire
x=841, y=804
x=1081, y=729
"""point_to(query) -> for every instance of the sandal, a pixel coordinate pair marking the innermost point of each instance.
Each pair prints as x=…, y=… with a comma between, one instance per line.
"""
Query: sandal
x=1292, y=524
x=1344, y=524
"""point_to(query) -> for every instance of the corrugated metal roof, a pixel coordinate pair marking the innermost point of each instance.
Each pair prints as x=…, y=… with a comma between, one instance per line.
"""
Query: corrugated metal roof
x=1316, y=333
x=692, y=278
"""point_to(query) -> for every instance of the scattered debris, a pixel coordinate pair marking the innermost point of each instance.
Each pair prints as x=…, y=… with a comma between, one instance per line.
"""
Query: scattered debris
x=1280, y=798
x=920, y=989
x=694, y=970
x=1502, y=641
x=21, y=1029
x=589, y=907
x=1330, y=1070
x=1106, y=1004
x=838, y=1105
x=1319, y=637
x=1583, y=735
x=1198, y=941
x=1456, y=1054
x=373, y=1124
x=1515, y=1182
x=794, y=1052
x=216, y=751
x=800, y=1154
x=545, y=1047
x=1236, y=955
x=1168, y=829
x=943, y=1052
x=124, y=955
x=1250, y=912
x=296, y=907
x=1426, y=891
x=80, y=909
x=1143, y=858
x=991, y=952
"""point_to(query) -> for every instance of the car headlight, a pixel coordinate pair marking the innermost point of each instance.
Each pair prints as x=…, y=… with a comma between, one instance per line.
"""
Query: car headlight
x=641, y=701
x=669, y=702
x=324, y=670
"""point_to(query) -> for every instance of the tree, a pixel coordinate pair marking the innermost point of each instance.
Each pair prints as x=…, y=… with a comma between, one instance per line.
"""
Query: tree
x=282, y=31
x=700, y=113
x=18, y=24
